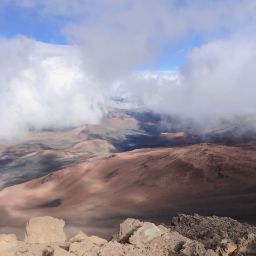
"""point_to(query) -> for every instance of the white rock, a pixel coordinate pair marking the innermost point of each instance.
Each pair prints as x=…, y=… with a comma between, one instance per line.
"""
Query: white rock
x=145, y=234
x=127, y=228
x=45, y=230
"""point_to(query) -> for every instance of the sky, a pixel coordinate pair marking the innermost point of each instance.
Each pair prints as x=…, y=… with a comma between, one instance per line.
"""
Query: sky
x=62, y=61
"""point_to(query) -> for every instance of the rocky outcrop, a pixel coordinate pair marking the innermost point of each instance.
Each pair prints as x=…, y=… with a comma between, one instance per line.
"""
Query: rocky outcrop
x=45, y=230
x=186, y=236
x=212, y=231
x=127, y=228
x=247, y=245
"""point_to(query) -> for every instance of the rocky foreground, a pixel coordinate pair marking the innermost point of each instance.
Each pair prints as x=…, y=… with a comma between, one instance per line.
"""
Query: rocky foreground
x=185, y=236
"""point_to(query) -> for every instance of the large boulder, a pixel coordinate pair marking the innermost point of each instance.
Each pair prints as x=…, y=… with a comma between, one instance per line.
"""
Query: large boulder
x=146, y=233
x=212, y=230
x=127, y=228
x=45, y=230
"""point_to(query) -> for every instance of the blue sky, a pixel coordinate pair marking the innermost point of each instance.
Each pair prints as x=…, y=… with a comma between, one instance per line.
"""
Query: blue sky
x=31, y=23
x=19, y=21
x=35, y=22
x=153, y=35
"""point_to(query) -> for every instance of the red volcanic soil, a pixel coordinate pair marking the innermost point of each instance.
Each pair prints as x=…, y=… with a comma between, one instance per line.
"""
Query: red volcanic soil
x=151, y=184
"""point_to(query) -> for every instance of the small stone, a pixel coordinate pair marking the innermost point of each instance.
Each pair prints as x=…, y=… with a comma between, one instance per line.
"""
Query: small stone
x=84, y=248
x=191, y=248
x=247, y=246
x=226, y=248
x=61, y=252
x=79, y=237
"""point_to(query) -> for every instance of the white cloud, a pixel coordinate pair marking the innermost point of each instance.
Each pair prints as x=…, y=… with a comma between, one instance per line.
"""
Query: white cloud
x=43, y=86
x=218, y=81
x=117, y=36
x=146, y=88
x=46, y=86
x=219, y=78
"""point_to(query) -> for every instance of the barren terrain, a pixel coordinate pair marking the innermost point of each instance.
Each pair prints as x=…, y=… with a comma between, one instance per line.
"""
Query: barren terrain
x=150, y=184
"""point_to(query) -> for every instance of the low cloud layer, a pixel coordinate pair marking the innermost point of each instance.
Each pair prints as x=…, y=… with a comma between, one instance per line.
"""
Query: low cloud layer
x=216, y=83
x=55, y=86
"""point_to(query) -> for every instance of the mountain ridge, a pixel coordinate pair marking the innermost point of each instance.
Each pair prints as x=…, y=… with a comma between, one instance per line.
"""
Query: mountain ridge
x=203, y=178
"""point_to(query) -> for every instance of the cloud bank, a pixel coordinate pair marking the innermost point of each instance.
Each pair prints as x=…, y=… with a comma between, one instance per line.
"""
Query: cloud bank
x=55, y=86
x=217, y=82
x=117, y=36
x=43, y=86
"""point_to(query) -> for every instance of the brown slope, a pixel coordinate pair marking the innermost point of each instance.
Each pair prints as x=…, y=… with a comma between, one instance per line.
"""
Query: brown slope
x=24, y=162
x=148, y=183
